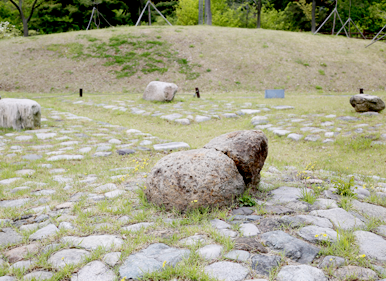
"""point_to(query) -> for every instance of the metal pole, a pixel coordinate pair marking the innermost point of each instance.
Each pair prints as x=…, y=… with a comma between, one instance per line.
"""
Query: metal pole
x=144, y=9
x=349, y=23
x=92, y=14
x=149, y=12
x=80, y=92
x=324, y=22
x=155, y=8
x=333, y=25
x=380, y=38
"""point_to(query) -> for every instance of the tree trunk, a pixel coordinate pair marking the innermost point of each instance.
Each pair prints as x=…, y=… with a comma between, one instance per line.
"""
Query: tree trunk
x=25, y=27
x=259, y=14
x=201, y=12
x=208, y=12
x=313, y=24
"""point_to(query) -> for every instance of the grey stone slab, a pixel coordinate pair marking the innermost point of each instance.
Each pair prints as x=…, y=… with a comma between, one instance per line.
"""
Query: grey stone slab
x=238, y=255
x=283, y=107
x=360, y=273
x=324, y=204
x=193, y=240
x=66, y=225
x=312, y=138
x=9, y=236
x=138, y=226
x=65, y=157
x=68, y=257
x=371, y=210
x=295, y=137
x=372, y=245
x=92, y=242
x=7, y=278
x=249, y=230
x=125, y=151
x=263, y=264
x=303, y=220
x=101, y=154
x=219, y=224
x=381, y=230
x=171, y=117
x=210, y=252
x=285, y=194
x=38, y=275
x=106, y=187
x=348, y=118
x=44, y=192
x=23, y=265
x=331, y=262
x=339, y=217
x=114, y=193
x=85, y=150
x=44, y=232
x=13, y=203
x=112, y=258
x=171, y=146
x=227, y=271
x=200, y=118
x=315, y=234
x=280, y=132
x=151, y=259
x=32, y=157
x=301, y=273
x=94, y=271
x=9, y=181
x=292, y=247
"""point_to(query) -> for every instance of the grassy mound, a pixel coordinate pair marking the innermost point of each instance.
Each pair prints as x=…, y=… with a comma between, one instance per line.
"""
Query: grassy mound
x=215, y=59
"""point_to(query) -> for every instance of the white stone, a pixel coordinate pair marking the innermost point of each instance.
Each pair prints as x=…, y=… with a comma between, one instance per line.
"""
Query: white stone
x=115, y=141
x=295, y=137
x=339, y=217
x=171, y=146
x=301, y=273
x=210, y=252
x=19, y=114
x=200, y=118
x=249, y=230
x=138, y=226
x=65, y=157
x=160, y=91
x=43, y=136
x=107, y=242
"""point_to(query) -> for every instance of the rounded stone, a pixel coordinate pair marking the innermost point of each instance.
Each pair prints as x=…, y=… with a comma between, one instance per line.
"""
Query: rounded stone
x=195, y=178
x=248, y=149
x=364, y=103
x=160, y=91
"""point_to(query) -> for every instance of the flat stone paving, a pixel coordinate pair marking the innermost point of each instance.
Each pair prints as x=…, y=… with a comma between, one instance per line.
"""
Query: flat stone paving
x=93, y=219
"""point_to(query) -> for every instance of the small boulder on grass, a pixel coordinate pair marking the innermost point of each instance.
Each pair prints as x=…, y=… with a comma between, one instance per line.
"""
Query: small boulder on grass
x=365, y=103
x=160, y=91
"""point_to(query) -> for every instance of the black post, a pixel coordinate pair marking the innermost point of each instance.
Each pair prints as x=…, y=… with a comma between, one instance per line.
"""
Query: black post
x=80, y=92
x=361, y=91
x=197, y=92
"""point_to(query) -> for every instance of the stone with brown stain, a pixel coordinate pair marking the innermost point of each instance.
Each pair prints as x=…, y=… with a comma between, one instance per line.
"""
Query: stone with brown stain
x=19, y=253
x=250, y=245
x=248, y=149
x=192, y=179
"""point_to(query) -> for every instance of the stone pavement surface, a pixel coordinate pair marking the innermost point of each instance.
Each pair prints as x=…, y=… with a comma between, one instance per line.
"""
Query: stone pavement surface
x=71, y=195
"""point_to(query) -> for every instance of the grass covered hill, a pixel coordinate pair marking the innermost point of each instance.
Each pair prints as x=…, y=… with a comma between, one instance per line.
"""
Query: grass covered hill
x=215, y=59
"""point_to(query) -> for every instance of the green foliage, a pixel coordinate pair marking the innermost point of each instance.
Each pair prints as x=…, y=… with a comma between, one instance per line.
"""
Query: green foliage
x=8, y=30
x=307, y=196
x=246, y=200
x=344, y=188
x=321, y=72
x=130, y=53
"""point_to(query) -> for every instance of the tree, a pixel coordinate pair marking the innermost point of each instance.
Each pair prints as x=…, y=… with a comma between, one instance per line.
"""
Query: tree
x=313, y=21
x=258, y=5
x=208, y=12
x=24, y=19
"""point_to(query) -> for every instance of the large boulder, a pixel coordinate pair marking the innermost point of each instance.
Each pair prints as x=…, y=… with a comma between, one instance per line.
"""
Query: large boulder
x=364, y=103
x=19, y=114
x=248, y=149
x=195, y=178
x=160, y=91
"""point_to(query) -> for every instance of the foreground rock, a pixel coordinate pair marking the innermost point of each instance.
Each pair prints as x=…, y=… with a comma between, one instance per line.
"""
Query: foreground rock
x=94, y=271
x=360, y=273
x=19, y=114
x=340, y=218
x=195, y=178
x=160, y=91
x=364, y=103
x=248, y=149
x=68, y=257
x=300, y=273
x=371, y=245
x=293, y=248
x=227, y=271
x=107, y=242
x=9, y=236
x=150, y=260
